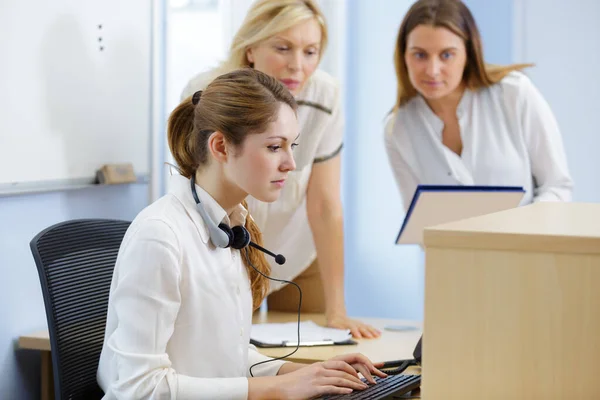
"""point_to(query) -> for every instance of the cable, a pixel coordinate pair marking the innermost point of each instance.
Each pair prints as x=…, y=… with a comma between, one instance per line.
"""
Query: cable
x=299, y=307
x=396, y=367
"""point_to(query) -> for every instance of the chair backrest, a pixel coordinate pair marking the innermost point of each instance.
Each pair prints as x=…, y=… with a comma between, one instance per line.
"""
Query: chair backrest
x=75, y=261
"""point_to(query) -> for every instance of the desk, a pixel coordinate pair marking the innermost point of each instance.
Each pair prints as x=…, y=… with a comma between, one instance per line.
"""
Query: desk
x=512, y=305
x=391, y=345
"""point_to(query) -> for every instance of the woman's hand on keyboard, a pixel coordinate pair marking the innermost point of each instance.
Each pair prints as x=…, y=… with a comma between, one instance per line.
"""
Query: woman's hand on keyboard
x=334, y=376
x=363, y=365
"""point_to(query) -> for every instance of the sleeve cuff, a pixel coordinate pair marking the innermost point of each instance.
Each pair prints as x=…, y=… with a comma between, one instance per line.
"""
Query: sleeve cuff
x=270, y=368
x=329, y=156
x=190, y=388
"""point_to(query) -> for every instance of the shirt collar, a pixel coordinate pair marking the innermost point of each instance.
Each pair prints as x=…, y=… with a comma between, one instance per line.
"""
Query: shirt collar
x=179, y=186
x=438, y=124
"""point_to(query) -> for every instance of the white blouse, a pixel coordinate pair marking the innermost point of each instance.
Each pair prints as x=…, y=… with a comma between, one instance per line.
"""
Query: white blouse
x=510, y=138
x=180, y=310
x=284, y=223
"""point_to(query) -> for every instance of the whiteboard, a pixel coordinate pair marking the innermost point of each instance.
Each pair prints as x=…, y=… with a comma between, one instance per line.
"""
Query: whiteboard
x=75, y=88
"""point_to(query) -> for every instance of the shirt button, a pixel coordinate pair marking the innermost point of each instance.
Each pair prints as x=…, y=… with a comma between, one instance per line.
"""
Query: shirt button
x=242, y=332
x=238, y=290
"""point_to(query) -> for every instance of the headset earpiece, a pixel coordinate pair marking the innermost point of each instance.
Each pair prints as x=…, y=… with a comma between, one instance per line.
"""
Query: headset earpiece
x=228, y=232
x=241, y=237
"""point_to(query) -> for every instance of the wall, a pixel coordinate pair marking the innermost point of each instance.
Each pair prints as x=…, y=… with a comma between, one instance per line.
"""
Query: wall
x=495, y=20
x=562, y=42
x=21, y=304
x=382, y=279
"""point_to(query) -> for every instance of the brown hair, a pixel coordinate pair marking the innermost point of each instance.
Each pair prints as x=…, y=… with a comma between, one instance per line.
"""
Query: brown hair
x=237, y=104
x=456, y=17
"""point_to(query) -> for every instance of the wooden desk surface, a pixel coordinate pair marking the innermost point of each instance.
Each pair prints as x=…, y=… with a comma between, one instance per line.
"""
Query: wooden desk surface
x=390, y=346
x=562, y=227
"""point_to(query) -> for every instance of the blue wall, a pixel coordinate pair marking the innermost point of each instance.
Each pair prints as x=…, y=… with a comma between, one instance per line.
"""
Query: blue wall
x=383, y=279
x=21, y=304
x=495, y=22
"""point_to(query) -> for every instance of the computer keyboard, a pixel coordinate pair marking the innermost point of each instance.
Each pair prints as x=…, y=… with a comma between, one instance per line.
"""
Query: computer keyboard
x=396, y=385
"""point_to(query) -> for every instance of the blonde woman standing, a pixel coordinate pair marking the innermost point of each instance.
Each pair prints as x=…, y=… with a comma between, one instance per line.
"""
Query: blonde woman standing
x=286, y=39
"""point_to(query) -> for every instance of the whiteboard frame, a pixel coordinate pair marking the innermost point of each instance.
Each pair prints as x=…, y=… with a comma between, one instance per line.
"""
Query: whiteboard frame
x=59, y=185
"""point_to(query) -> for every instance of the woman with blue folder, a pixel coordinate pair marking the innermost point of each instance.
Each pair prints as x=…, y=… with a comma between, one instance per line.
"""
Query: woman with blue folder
x=460, y=121
x=189, y=272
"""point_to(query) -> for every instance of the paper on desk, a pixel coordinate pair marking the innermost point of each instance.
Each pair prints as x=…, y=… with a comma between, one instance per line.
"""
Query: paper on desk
x=288, y=332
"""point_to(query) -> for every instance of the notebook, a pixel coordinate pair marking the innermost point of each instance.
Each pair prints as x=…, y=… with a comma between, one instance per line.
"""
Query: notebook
x=439, y=204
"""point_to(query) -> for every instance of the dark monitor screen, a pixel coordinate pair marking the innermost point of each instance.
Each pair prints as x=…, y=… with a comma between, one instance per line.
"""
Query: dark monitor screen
x=417, y=351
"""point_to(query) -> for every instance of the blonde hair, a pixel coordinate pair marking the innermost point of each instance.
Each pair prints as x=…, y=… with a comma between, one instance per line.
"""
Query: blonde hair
x=456, y=17
x=267, y=18
x=237, y=104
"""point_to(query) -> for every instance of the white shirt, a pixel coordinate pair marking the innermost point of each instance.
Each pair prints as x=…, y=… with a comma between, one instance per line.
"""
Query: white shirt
x=509, y=135
x=180, y=310
x=284, y=223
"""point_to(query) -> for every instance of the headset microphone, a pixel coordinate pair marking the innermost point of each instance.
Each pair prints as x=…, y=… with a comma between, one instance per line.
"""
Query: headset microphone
x=279, y=259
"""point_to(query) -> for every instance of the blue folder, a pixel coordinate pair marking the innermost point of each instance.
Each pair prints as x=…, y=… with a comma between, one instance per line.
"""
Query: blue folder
x=447, y=189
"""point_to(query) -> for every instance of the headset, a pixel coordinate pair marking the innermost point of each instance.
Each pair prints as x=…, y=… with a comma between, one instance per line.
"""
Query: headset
x=238, y=238
x=223, y=236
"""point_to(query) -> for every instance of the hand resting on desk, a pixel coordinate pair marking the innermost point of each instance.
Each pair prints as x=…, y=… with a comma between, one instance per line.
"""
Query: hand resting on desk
x=358, y=329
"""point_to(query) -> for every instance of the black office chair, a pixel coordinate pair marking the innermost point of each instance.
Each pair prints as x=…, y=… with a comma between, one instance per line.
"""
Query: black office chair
x=75, y=261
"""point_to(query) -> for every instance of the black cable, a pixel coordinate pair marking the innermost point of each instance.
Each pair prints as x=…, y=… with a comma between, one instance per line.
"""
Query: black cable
x=299, y=307
x=396, y=367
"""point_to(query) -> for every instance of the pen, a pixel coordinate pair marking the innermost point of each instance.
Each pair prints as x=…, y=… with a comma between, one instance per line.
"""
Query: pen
x=312, y=343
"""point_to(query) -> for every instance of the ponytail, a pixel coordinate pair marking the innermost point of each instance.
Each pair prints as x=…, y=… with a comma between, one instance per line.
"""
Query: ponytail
x=258, y=283
x=236, y=104
x=179, y=133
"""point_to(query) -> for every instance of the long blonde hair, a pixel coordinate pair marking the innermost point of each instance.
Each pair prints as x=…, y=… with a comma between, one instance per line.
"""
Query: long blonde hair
x=456, y=17
x=267, y=18
x=237, y=104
